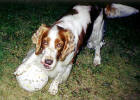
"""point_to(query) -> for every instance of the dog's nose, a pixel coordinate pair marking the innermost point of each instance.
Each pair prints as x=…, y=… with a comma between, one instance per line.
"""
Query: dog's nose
x=48, y=61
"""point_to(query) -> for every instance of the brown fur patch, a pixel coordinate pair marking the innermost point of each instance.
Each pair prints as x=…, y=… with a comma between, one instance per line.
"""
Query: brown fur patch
x=67, y=37
x=38, y=37
x=109, y=10
x=59, y=44
x=79, y=44
x=45, y=42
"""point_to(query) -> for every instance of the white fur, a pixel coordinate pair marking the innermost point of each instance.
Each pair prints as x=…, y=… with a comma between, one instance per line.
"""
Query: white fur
x=76, y=22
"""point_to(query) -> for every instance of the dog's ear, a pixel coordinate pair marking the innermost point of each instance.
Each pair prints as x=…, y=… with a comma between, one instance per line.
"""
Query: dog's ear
x=38, y=36
x=68, y=39
x=119, y=10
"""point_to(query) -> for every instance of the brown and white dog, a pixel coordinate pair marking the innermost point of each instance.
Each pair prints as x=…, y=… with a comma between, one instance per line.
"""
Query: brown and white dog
x=57, y=46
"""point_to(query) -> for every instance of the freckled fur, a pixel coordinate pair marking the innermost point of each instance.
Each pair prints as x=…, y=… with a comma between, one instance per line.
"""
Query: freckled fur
x=60, y=48
x=38, y=36
x=67, y=37
x=45, y=42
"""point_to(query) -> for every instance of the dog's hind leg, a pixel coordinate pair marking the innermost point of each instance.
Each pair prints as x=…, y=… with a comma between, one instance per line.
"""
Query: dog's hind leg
x=95, y=40
x=97, y=58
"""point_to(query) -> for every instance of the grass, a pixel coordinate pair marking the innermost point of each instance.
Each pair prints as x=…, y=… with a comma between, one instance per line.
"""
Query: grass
x=117, y=78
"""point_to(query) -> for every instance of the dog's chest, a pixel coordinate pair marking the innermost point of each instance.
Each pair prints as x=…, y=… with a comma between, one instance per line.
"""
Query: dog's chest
x=58, y=69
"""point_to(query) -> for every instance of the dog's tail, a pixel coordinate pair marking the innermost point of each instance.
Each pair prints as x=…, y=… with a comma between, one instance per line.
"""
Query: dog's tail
x=118, y=10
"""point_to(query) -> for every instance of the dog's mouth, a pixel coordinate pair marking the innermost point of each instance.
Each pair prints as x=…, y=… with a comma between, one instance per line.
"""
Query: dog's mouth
x=47, y=66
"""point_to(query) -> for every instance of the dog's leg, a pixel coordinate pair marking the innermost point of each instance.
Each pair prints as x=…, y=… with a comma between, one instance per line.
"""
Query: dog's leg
x=97, y=58
x=61, y=77
x=21, y=69
x=95, y=40
x=54, y=85
x=66, y=73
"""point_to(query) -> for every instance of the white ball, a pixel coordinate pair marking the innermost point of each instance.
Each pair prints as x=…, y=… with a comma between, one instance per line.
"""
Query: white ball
x=33, y=79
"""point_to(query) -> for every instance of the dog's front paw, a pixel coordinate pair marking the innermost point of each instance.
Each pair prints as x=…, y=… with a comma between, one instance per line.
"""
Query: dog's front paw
x=97, y=61
x=53, y=88
x=20, y=70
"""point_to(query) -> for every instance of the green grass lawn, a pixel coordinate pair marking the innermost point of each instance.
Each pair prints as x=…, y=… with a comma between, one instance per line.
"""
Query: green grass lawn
x=117, y=78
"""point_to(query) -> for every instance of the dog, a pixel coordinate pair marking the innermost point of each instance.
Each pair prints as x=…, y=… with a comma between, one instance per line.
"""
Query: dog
x=58, y=45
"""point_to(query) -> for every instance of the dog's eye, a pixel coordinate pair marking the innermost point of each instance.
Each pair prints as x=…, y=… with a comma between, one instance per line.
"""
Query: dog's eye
x=45, y=42
x=59, y=45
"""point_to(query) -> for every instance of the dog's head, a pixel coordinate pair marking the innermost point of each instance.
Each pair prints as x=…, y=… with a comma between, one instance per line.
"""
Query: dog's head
x=53, y=43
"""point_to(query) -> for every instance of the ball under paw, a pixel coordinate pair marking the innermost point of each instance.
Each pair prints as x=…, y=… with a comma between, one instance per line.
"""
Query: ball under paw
x=33, y=79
